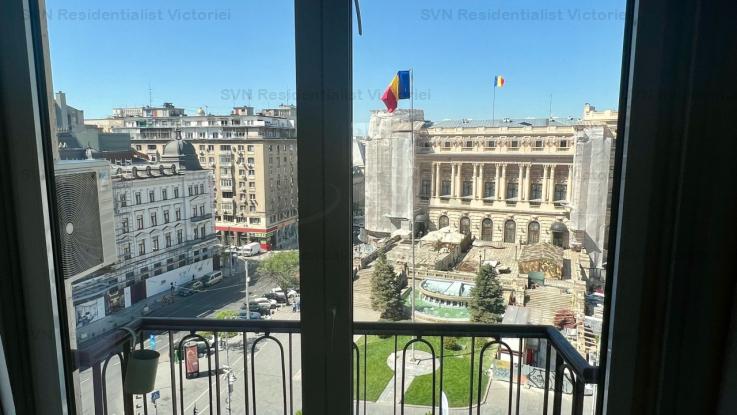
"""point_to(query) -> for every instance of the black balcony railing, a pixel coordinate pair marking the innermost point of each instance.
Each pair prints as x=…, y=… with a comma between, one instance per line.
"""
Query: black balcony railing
x=504, y=354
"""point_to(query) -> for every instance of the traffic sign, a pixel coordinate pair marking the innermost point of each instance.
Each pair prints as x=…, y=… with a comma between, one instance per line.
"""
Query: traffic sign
x=155, y=396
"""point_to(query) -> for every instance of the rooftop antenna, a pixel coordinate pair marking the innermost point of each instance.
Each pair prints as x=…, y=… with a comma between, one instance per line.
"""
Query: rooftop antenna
x=550, y=107
x=149, y=94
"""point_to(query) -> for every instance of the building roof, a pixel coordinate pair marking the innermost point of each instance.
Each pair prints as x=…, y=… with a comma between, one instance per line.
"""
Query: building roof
x=448, y=235
x=516, y=315
x=543, y=250
x=505, y=122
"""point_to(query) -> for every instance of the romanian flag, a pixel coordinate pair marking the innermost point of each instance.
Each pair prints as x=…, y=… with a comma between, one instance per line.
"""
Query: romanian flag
x=398, y=88
x=498, y=81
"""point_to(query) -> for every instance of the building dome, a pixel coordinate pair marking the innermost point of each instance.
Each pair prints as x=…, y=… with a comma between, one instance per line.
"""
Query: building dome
x=178, y=147
x=182, y=153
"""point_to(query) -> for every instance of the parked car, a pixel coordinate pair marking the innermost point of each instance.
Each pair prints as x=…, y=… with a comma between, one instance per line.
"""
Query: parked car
x=262, y=308
x=213, y=278
x=279, y=297
x=197, y=286
x=185, y=291
x=254, y=315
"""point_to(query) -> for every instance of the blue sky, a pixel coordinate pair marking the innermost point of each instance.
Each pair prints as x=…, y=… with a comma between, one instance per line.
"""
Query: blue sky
x=232, y=52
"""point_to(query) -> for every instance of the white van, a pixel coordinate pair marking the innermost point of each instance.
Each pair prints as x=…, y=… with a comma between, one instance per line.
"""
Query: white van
x=250, y=249
x=213, y=278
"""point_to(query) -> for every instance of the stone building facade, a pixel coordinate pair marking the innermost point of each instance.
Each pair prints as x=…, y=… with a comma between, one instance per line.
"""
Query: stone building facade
x=253, y=158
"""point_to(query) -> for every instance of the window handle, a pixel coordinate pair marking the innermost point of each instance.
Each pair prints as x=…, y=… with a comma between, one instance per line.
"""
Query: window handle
x=358, y=17
x=332, y=328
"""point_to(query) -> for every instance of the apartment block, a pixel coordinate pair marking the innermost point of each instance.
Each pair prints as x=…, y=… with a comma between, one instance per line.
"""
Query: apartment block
x=253, y=157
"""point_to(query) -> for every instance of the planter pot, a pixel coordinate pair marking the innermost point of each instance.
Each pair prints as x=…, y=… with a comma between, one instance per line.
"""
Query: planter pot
x=140, y=371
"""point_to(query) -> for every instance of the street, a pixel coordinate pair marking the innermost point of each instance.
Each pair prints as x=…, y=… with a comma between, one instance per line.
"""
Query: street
x=228, y=295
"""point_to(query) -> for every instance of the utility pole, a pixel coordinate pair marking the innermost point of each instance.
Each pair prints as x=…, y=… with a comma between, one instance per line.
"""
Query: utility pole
x=248, y=300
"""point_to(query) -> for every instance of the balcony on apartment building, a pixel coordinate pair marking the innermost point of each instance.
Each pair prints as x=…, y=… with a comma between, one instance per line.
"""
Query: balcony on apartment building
x=525, y=358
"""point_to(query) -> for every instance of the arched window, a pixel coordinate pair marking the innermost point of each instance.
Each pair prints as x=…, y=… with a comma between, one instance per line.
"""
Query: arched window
x=487, y=230
x=465, y=225
x=533, y=232
x=443, y=222
x=510, y=229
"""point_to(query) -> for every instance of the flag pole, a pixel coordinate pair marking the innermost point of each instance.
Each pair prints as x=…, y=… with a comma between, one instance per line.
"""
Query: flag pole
x=493, y=103
x=412, y=204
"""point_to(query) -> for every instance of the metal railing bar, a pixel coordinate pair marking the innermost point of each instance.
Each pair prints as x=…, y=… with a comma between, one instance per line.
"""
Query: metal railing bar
x=182, y=341
x=558, y=386
x=145, y=403
x=455, y=330
x=172, y=370
x=442, y=365
x=245, y=370
x=103, y=377
x=547, y=377
x=470, y=379
x=519, y=373
x=358, y=378
x=404, y=366
x=511, y=373
x=268, y=336
x=576, y=362
x=217, y=369
x=578, y=395
x=206, y=324
x=365, y=372
x=396, y=340
x=291, y=382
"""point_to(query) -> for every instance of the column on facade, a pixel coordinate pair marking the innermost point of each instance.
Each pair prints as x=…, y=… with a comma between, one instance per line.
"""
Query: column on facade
x=520, y=184
x=545, y=182
x=503, y=187
x=459, y=176
x=481, y=180
x=436, y=177
x=453, y=180
x=475, y=181
x=551, y=192
x=526, y=191
x=569, y=183
x=496, y=181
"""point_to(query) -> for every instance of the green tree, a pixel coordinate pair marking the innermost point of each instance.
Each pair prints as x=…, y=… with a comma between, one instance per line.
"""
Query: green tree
x=486, y=304
x=221, y=315
x=282, y=268
x=386, y=291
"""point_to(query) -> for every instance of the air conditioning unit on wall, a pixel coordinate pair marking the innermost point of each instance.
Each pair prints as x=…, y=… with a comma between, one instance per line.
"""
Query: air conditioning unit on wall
x=84, y=194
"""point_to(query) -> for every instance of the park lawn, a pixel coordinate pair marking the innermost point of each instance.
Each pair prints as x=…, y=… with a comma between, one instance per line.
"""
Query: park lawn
x=456, y=370
x=379, y=373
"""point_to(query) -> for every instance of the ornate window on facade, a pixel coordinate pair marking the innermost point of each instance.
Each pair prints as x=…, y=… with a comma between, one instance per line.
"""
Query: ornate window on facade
x=443, y=222
x=487, y=230
x=465, y=225
x=510, y=230
x=533, y=232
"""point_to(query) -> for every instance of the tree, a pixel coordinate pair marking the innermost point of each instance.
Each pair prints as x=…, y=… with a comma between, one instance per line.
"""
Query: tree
x=386, y=291
x=282, y=268
x=221, y=315
x=486, y=304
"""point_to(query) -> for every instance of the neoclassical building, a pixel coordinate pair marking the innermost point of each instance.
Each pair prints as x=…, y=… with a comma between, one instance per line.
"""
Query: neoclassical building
x=514, y=181
x=504, y=181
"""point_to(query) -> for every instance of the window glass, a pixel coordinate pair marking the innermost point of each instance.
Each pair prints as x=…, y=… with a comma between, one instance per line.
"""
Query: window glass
x=468, y=162
x=160, y=228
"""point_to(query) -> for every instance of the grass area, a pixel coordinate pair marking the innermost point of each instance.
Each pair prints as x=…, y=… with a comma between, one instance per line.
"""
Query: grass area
x=456, y=369
x=379, y=373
